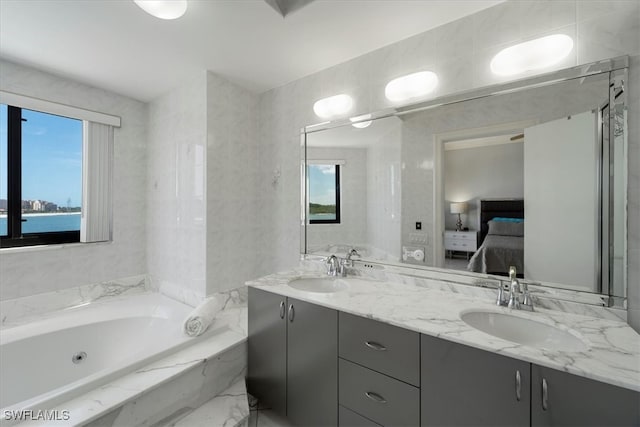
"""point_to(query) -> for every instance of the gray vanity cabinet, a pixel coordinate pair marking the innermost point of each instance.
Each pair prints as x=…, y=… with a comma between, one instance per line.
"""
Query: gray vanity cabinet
x=293, y=358
x=267, y=349
x=562, y=399
x=462, y=385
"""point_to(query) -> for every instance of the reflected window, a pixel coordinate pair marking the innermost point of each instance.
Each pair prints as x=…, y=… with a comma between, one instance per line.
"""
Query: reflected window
x=324, y=194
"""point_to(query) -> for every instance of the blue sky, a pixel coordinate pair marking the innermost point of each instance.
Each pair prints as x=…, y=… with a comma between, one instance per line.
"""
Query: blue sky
x=322, y=184
x=51, y=157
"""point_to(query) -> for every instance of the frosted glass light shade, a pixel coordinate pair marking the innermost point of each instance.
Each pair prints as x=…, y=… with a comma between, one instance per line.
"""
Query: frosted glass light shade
x=532, y=55
x=361, y=122
x=458, y=208
x=163, y=9
x=333, y=106
x=411, y=86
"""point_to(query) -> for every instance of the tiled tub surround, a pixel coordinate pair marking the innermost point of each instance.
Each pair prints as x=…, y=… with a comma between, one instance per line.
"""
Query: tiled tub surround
x=433, y=307
x=21, y=310
x=134, y=367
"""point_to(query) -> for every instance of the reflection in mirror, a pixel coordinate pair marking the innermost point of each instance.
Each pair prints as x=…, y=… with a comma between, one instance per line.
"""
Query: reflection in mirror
x=518, y=178
x=368, y=190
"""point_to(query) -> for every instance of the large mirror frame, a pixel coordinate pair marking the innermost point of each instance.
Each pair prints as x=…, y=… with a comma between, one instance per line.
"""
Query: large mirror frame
x=617, y=69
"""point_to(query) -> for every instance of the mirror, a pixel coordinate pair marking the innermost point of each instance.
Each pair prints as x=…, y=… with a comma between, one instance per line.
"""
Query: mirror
x=529, y=173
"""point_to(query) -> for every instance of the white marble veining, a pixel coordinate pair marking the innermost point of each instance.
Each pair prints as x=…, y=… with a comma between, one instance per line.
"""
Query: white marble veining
x=568, y=301
x=21, y=310
x=613, y=348
x=228, y=409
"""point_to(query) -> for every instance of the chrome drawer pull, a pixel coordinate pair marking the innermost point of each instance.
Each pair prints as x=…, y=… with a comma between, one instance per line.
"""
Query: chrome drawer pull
x=375, y=397
x=291, y=312
x=545, y=395
x=282, y=309
x=518, y=386
x=375, y=346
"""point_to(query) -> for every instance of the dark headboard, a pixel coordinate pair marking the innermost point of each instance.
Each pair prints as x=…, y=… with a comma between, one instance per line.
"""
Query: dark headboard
x=505, y=208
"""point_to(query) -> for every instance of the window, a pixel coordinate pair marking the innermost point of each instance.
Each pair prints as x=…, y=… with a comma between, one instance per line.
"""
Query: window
x=40, y=177
x=324, y=194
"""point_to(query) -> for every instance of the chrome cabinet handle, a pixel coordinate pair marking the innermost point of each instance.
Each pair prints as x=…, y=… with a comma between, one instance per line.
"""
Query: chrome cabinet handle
x=518, y=385
x=375, y=346
x=545, y=395
x=375, y=397
x=282, y=309
x=291, y=313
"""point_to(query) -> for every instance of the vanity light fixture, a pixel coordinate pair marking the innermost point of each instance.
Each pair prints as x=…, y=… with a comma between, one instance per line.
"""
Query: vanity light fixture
x=163, y=9
x=361, y=122
x=532, y=55
x=333, y=106
x=411, y=86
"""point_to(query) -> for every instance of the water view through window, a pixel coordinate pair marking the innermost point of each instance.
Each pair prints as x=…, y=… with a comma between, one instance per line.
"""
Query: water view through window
x=51, y=172
x=324, y=194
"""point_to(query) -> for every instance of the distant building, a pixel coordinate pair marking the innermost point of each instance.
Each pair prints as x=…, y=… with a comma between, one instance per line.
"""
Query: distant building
x=3, y=205
x=50, y=207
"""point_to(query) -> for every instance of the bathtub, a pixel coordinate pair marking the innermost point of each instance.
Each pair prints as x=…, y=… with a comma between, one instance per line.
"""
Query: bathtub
x=52, y=360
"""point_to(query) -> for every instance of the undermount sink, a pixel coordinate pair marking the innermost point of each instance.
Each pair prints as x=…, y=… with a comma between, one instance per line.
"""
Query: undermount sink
x=323, y=285
x=523, y=331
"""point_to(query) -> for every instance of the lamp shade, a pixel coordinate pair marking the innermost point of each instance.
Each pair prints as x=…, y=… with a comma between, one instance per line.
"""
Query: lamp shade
x=458, y=208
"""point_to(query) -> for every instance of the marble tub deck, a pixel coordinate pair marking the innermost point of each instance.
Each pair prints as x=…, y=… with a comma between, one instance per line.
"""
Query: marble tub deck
x=433, y=308
x=170, y=387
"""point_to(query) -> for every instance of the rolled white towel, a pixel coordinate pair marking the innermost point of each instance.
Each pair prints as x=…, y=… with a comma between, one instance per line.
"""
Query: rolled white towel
x=202, y=316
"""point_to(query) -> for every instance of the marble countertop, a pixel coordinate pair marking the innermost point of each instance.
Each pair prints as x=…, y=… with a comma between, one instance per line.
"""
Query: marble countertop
x=613, y=347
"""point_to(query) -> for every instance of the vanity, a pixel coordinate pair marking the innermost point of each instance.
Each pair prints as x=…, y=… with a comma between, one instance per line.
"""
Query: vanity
x=379, y=353
x=403, y=341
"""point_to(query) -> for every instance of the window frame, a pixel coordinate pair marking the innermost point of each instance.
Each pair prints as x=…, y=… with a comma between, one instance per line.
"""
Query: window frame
x=15, y=237
x=338, y=207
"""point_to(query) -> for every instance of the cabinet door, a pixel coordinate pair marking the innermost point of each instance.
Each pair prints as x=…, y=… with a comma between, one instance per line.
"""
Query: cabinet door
x=462, y=385
x=312, y=365
x=267, y=347
x=573, y=400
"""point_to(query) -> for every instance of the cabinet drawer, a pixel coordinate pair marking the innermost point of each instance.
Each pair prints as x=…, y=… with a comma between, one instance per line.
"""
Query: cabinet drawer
x=470, y=236
x=384, y=348
x=459, y=245
x=382, y=399
x=348, y=418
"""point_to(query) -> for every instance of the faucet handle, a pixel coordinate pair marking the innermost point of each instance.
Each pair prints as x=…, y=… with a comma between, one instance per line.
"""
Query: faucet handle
x=527, y=302
x=512, y=272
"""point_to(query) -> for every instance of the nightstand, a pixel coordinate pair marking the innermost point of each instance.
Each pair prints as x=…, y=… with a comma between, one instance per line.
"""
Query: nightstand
x=461, y=241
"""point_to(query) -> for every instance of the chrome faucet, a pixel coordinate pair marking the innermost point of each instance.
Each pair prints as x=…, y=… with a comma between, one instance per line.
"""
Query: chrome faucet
x=514, y=290
x=333, y=266
x=519, y=297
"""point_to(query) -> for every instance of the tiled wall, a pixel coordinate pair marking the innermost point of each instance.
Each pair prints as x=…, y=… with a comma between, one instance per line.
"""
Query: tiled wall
x=33, y=270
x=234, y=211
x=176, y=191
x=460, y=53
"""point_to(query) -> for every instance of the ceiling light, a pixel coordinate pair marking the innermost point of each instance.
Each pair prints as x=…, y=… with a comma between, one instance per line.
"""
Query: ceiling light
x=532, y=55
x=361, y=122
x=163, y=9
x=333, y=106
x=411, y=86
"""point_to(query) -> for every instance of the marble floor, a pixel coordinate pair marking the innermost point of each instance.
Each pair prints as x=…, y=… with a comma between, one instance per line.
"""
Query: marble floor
x=267, y=418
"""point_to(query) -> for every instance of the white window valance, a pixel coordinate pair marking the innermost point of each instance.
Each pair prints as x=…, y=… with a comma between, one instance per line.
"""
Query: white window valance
x=44, y=106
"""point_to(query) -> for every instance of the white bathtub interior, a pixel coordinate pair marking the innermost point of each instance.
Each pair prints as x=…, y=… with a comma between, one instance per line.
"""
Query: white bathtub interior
x=117, y=336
